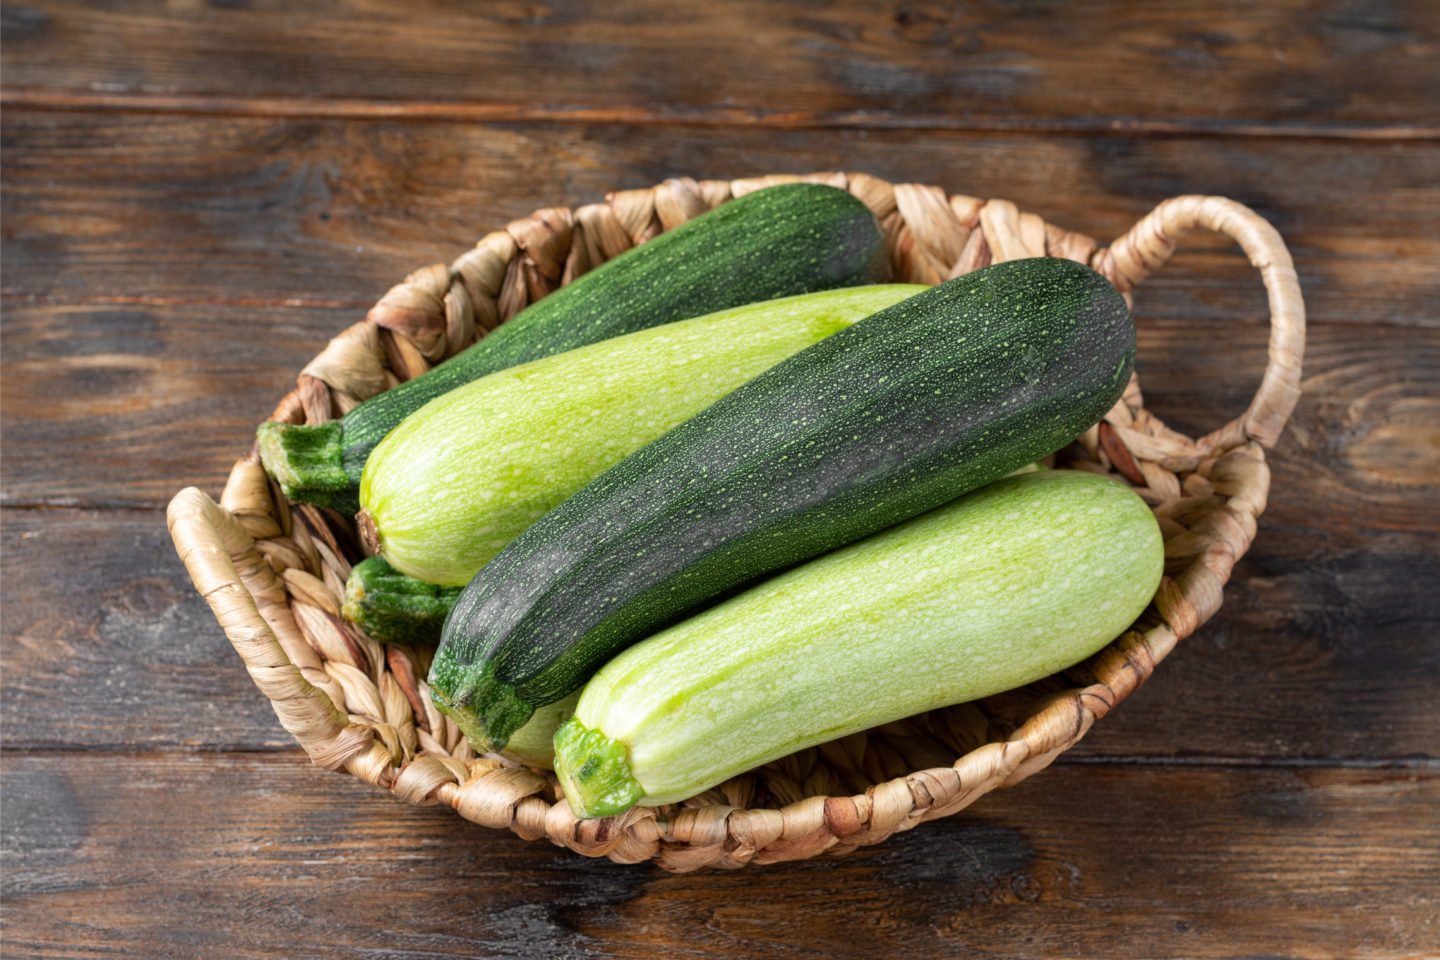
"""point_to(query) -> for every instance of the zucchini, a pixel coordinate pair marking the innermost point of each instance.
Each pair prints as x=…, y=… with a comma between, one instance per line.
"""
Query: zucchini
x=468, y=472
x=780, y=241
x=394, y=608
x=996, y=590
x=906, y=410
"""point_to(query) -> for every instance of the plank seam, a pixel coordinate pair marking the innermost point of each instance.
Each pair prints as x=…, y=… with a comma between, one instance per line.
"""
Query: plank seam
x=152, y=300
x=78, y=504
x=415, y=111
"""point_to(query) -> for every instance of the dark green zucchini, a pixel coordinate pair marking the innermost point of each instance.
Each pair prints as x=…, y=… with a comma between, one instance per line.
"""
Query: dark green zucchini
x=777, y=242
x=907, y=409
x=394, y=608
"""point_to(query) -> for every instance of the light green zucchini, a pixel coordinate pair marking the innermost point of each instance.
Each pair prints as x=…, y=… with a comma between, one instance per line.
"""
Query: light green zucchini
x=534, y=743
x=1004, y=586
x=469, y=471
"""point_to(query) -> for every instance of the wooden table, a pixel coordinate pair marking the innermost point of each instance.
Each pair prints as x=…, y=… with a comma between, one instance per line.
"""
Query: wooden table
x=197, y=195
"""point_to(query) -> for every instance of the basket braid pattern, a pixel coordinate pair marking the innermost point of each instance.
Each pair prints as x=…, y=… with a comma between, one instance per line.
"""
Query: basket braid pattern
x=274, y=573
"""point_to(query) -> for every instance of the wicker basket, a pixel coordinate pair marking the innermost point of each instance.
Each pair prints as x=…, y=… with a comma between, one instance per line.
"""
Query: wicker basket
x=273, y=572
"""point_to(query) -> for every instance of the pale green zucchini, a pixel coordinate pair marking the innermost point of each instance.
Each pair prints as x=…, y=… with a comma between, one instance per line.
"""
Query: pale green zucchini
x=1000, y=588
x=534, y=743
x=469, y=471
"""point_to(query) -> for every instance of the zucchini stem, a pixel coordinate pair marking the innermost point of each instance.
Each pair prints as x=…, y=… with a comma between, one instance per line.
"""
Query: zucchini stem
x=369, y=533
x=394, y=608
x=503, y=711
x=594, y=771
x=308, y=462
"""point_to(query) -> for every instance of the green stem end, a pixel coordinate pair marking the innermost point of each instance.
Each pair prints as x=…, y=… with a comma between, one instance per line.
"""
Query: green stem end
x=594, y=772
x=308, y=462
x=394, y=608
x=486, y=709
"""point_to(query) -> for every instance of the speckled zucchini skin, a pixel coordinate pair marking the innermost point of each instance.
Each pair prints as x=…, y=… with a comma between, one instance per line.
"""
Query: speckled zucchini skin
x=905, y=410
x=777, y=242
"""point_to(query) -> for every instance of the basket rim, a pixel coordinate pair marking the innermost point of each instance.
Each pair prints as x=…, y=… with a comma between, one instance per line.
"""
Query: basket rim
x=263, y=565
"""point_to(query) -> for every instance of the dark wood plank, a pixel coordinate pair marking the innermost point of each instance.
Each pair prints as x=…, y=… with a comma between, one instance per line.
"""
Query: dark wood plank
x=101, y=208
x=1332, y=67
x=1273, y=791
x=108, y=646
x=125, y=404
x=1326, y=648
x=272, y=859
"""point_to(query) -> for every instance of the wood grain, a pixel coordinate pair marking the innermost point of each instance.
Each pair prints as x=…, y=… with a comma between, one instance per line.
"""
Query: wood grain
x=109, y=647
x=273, y=859
x=121, y=375
x=102, y=208
x=1324, y=651
x=1308, y=67
x=124, y=404
x=177, y=270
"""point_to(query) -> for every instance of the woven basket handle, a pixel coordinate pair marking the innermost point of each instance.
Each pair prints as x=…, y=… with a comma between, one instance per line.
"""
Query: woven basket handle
x=1149, y=244
x=250, y=602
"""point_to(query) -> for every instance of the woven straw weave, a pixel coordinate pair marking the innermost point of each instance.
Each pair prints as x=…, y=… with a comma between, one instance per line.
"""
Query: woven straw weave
x=274, y=573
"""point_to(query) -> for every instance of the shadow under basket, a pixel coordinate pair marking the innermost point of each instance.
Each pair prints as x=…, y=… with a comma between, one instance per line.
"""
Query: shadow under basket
x=274, y=572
